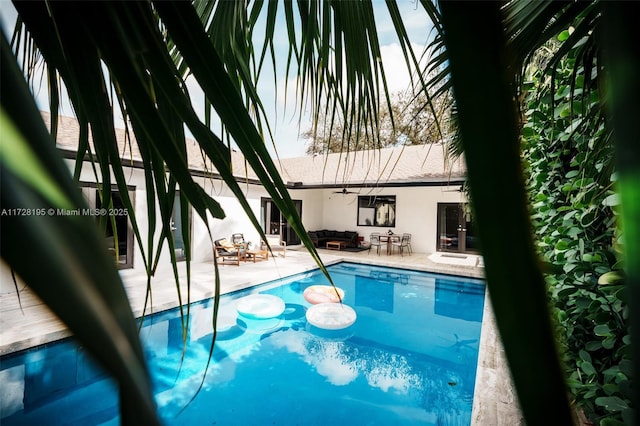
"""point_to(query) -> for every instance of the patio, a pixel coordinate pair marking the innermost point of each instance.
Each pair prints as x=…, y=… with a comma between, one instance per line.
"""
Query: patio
x=494, y=402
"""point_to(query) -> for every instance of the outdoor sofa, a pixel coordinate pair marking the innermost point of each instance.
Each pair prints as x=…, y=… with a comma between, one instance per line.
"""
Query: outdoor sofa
x=320, y=238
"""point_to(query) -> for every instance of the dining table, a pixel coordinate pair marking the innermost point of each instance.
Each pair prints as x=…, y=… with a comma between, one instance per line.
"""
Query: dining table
x=389, y=239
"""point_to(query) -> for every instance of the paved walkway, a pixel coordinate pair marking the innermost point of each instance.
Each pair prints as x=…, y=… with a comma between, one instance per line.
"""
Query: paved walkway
x=27, y=322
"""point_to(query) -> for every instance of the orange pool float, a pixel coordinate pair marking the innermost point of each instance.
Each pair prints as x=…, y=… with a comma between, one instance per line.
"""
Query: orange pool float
x=323, y=294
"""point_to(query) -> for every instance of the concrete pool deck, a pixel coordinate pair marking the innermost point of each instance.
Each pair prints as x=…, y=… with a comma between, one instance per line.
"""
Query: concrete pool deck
x=27, y=322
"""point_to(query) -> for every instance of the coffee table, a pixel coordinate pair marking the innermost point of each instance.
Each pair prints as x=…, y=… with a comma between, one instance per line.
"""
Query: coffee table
x=336, y=245
x=256, y=255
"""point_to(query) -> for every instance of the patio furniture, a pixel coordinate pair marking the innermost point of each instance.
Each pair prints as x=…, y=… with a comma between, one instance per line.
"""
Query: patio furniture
x=375, y=242
x=228, y=253
x=336, y=245
x=274, y=243
x=256, y=255
x=402, y=244
x=408, y=242
x=237, y=238
x=320, y=238
x=389, y=239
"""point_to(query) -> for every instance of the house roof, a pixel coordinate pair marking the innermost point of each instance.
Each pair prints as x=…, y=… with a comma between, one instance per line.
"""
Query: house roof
x=68, y=136
x=401, y=165
x=397, y=166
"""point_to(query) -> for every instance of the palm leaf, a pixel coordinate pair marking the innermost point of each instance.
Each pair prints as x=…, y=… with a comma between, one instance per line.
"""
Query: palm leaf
x=335, y=62
x=204, y=61
x=69, y=251
x=490, y=136
x=623, y=63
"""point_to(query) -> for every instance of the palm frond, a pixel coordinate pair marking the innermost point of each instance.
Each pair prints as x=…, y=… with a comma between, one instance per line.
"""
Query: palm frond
x=136, y=56
x=69, y=249
x=491, y=137
x=89, y=46
x=623, y=62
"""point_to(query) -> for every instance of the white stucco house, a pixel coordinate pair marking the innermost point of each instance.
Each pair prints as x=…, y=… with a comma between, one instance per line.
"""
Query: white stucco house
x=410, y=189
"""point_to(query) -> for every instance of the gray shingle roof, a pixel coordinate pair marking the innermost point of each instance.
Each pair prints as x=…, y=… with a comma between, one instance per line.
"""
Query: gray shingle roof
x=399, y=165
x=403, y=164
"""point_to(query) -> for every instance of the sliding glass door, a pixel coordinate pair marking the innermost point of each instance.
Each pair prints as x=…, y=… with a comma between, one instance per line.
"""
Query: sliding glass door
x=274, y=223
x=455, y=228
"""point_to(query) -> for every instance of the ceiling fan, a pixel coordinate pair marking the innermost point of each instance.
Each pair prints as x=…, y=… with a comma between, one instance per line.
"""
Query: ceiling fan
x=344, y=191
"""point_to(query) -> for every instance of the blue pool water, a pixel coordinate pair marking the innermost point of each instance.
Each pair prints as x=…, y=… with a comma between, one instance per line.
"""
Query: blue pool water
x=410, y=358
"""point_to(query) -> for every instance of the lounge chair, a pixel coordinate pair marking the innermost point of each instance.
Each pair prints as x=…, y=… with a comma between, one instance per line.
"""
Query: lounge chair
x=229, y=253
x=275, y=244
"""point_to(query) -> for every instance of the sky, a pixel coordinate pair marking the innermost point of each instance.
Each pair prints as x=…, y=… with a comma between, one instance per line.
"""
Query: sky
x=281, y=112
x=287, y=129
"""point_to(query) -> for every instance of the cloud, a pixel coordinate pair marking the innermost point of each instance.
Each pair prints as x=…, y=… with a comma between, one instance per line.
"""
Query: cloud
x=395, y=66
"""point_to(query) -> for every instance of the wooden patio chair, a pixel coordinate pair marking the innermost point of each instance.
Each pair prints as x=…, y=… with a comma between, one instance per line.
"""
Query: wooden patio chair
x=228, y=253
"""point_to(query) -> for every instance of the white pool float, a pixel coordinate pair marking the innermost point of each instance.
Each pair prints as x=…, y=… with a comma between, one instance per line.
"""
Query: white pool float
x=331, y=316
x=260, y=306
x=323, y=294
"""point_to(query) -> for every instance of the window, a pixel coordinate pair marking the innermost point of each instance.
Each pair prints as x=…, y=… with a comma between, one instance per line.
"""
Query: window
x=377, y=211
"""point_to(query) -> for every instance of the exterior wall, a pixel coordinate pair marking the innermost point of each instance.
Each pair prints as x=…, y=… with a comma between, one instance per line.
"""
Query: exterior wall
x=312, y=207
x=416, y=213
x=339, y=211
x=416, y=210
x=235, y=219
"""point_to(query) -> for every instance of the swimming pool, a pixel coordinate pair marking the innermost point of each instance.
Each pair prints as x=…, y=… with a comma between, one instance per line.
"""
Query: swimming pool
x=409, y=358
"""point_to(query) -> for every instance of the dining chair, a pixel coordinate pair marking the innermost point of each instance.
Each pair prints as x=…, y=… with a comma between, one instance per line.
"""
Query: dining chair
x=402, y=244
x=374, y=240
x=408, y=242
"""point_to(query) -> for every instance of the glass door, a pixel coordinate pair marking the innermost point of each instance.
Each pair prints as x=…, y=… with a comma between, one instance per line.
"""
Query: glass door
x=117, y=227
x=469, y=237
x=455, y=228
x=176, y=228
x=288, y=234
x=275, y=223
